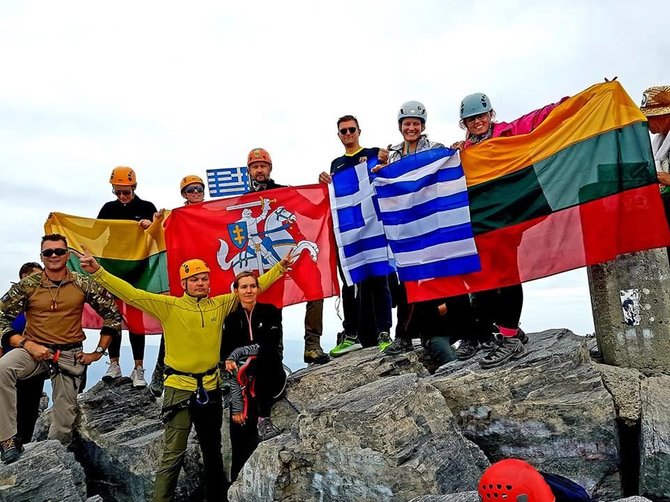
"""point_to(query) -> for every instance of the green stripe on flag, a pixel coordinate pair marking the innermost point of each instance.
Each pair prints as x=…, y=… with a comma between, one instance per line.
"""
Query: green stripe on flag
x=149, y=274
x=592, y=169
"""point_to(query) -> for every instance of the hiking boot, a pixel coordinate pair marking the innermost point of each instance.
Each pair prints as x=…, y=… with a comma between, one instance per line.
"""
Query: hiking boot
x=347, y=345
x=523, y=336
x=266, y=429
x=113, y=372
x=383, y=340
x=156, y=385
x=10, y=450
x=467, y=349
x=399, y=346
x=315, y=356
x=137, y=376
x=507, y=348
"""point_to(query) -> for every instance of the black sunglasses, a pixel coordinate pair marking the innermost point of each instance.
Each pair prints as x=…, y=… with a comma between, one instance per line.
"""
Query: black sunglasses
x=194, y=190
x=122, y=192
x=350, y=130
x=48, y=253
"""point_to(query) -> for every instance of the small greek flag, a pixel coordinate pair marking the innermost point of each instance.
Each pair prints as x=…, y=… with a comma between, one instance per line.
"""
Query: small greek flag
x=423, y=204
x=227, y=181
x=361, y=243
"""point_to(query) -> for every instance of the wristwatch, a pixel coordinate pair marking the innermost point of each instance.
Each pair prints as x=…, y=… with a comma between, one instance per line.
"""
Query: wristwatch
x=100, y=350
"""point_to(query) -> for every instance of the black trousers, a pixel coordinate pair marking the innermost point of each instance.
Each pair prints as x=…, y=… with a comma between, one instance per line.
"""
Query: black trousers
x=28, y=395
x=500, y=306
x=269, y=378
x=136, y=343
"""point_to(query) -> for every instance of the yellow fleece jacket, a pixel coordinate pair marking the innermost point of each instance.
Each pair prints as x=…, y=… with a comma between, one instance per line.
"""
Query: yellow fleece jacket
x=192, y=327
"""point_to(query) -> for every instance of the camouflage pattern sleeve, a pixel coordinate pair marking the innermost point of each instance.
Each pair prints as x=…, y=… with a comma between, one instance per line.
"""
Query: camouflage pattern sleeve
x=11, y=305
x=103, y=303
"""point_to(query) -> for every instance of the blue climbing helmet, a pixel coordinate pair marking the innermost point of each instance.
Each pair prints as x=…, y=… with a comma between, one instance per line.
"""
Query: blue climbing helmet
x=474, y=104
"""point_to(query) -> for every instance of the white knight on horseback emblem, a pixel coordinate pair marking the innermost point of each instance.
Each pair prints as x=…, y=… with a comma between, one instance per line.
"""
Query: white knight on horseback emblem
x=263, y=240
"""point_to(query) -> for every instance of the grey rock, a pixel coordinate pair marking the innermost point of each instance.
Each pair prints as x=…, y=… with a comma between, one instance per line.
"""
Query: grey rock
x=549, y=408
x=452, y=497
x=387, y=440
x=624, y=385
x=45, y=472
x=655, y=438
x=120, y=442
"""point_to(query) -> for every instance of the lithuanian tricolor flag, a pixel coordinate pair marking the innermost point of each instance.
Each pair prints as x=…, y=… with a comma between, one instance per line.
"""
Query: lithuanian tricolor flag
x=578, y=190
x=124, y=249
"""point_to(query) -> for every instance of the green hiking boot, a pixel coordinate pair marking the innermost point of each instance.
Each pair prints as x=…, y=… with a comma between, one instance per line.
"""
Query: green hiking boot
x=383, y=340
x=348, y=345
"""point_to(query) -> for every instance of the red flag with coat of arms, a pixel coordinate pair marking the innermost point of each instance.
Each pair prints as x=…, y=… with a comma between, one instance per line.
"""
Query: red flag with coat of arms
x=253, y=232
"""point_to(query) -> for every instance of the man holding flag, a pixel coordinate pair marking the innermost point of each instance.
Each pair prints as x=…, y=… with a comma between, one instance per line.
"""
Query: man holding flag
x=259, y=166
x=192, y=328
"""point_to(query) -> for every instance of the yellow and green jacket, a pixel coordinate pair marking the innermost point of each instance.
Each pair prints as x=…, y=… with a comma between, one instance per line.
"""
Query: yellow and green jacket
x=192, y=327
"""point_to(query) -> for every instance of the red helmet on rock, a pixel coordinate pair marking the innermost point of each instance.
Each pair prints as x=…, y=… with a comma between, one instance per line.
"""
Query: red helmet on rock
x=513, y=480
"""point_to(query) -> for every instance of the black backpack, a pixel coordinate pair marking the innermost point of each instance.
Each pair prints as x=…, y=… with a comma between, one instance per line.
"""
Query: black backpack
x=564, y=489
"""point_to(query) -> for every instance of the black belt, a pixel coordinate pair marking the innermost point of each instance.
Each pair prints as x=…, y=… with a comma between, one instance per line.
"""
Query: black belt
x=61, y=347
x=201, y=396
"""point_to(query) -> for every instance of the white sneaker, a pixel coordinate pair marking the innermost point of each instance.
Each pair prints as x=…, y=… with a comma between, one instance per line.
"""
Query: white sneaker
x=137, y=376
x=113, y=372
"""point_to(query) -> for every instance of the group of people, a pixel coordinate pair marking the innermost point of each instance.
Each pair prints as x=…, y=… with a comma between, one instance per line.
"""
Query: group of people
x=233, y=337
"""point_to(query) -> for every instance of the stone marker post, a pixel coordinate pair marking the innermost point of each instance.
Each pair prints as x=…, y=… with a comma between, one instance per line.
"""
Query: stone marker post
x=630, y=297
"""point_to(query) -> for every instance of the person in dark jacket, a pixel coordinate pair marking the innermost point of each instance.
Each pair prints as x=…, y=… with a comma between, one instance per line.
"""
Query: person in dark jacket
x=28, y=391
x=259, y=167
x=127, y=206
x=252, y=329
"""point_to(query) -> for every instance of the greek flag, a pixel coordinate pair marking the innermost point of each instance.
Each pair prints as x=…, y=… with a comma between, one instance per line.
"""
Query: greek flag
x=423, y=203
x=361, y=243
x=227, y=181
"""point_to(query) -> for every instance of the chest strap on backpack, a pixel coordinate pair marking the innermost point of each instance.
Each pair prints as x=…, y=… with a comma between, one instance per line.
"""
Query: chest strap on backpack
x=201, y=396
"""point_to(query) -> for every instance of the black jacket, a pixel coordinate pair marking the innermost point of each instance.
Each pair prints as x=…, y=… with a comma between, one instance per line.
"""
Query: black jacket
x=137, y=209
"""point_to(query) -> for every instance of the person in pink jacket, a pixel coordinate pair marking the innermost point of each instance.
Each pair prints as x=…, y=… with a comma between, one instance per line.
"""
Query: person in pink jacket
x=498, y=310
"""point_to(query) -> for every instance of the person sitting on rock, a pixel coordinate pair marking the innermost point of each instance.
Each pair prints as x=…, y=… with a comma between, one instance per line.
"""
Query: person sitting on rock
x=192, y=327
x=252, y=332
x=53, y=302
x=28, y=391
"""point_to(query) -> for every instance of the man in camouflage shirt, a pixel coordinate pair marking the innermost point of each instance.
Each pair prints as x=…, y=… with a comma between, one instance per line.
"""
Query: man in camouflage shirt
x=52, y=340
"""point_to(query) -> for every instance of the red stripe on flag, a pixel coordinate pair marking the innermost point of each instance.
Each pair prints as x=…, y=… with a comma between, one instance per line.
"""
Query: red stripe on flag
x=594, y=232
x=134, y=320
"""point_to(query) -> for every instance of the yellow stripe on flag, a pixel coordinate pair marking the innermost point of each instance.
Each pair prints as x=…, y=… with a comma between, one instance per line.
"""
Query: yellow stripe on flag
x=598, y=109
x=112, y=239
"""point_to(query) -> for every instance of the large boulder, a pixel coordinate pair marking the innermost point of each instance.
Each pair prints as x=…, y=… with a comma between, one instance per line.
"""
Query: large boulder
x=45, y=471
x=655, y=437
x=549, y=408
x=388, y=439
x=120, y=441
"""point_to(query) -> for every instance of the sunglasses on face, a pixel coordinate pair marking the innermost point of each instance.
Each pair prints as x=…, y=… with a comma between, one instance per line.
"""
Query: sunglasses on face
x=48, y=253
x=349, y=130
x=194, y=190
x=122, y=192
x=471, y=120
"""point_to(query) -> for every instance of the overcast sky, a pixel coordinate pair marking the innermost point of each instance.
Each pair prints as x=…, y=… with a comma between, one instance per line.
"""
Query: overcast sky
x=174, y=88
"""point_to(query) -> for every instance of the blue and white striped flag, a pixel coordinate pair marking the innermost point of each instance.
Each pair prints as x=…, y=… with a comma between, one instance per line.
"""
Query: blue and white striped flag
x=361, y=243
x=423, y=203
x=227, y=181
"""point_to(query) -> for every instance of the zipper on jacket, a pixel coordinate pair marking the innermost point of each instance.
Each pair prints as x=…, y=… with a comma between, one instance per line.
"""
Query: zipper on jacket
x=202, y=317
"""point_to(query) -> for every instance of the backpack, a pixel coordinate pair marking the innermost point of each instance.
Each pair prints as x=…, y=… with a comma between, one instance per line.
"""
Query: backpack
x=564, y=489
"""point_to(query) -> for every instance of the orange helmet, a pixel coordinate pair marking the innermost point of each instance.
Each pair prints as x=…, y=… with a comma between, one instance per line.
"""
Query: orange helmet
x=124, y=176
x=258, y=155
x=192, y=267
x=189, y=180
x=511, y=479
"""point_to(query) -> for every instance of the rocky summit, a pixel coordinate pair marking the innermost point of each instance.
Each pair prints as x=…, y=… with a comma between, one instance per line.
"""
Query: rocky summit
x=369, y=427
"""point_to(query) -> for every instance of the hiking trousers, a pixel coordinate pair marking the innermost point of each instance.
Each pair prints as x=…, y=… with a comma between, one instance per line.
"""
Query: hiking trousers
x=207, y=420
x=18, y=365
